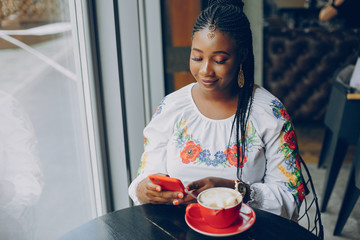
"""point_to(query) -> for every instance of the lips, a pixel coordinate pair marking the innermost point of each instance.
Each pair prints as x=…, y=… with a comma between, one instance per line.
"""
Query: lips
x=207, y=82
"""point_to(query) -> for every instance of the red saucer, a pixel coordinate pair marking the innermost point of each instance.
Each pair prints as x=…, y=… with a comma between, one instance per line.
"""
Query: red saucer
x=245, y=221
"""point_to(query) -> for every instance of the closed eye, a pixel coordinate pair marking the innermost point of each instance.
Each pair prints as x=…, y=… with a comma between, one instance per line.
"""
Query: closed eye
x=196, y=59
x=221, y=62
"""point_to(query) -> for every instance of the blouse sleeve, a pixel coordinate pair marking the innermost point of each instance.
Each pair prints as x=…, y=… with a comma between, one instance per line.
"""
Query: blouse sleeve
x=282, y=190
x=156, y=137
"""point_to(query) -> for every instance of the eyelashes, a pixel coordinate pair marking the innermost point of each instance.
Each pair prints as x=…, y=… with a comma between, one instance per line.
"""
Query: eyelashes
x=221, y=62
x=196, y=59
x=200, y=59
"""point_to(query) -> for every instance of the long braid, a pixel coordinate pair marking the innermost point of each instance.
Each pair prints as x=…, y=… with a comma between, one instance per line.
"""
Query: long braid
x=228, y=16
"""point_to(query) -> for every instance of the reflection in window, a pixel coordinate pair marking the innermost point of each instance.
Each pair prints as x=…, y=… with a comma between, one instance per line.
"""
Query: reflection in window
x=45, y=181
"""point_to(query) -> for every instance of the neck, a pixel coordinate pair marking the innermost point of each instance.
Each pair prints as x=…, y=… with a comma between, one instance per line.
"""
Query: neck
x=228, y=95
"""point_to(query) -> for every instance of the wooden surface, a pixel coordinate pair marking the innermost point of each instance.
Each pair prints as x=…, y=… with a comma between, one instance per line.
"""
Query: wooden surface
x=167, y=222
x=182, y=15
x=182, y=79
x=353, y=96
x=27, y=39
x=178, y=18
x=290, y=4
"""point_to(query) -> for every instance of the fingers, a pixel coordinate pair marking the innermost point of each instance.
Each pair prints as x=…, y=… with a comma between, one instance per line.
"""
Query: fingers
x=165, y=197
x=186, y=200
x=153, y=187
x=200, y=185
x=156, y=195
x=208, y=182
x=193, y=185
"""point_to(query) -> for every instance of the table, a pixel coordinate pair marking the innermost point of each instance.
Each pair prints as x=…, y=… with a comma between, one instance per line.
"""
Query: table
x=167, y=222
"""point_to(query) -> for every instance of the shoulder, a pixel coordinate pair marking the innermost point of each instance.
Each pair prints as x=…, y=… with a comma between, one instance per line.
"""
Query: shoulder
x=267, y=110
x=174, y=101
x=181, y=94
x=266, y=103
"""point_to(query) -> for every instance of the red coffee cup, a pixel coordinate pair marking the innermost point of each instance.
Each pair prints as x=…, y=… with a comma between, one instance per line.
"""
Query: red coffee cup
x=219, y=207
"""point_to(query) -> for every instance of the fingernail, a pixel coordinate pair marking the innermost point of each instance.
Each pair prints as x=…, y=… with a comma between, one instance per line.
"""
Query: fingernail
x=158, y=189
x=176, y=202
x=180, y=195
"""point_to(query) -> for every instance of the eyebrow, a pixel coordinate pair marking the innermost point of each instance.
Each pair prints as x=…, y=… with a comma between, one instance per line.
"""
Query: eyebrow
x=223, y=52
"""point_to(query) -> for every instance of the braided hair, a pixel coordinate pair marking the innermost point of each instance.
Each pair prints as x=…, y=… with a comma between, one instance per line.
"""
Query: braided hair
x=228, y=16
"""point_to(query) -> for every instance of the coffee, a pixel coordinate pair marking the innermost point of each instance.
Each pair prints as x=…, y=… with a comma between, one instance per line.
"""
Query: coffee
x=220, y=198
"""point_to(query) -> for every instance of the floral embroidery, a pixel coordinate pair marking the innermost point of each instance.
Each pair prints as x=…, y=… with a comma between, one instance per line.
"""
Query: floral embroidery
x=181, y=134
x=142, y=163
x=279, y=110
x=252, y=141
x=284, y=113
x=159, y=108
x=292, y=168
x=289, y=150
x=218, y=160
x=146, y=141
x=290, y=139
x=231, y=156
x=191, y=150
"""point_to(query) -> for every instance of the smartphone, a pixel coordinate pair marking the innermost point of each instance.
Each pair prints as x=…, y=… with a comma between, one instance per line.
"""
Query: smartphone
x=168, y=183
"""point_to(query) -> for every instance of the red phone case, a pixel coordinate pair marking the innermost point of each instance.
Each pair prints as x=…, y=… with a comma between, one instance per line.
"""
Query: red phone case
x=168, y=183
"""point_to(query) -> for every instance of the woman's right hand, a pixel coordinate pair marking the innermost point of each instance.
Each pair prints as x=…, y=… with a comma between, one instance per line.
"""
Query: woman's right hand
x=148, y=192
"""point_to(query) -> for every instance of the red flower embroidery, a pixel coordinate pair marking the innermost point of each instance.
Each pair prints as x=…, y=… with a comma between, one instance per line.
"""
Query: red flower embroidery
x=284, y=113
x=290, y=139
x=190, y=152
x=231, y=156
x=301, y=191
x=298, y=162
x=155, y=111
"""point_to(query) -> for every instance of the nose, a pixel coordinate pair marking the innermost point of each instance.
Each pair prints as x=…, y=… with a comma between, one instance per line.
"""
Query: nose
x=206, y=69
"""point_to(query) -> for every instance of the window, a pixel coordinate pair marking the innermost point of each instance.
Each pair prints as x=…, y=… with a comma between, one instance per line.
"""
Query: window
x=50, y=176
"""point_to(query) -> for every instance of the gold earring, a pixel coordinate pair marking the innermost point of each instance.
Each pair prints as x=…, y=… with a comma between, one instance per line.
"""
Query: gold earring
x=241, y=79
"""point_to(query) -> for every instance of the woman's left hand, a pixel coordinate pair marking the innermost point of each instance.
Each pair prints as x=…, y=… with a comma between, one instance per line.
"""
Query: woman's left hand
x=198, y=186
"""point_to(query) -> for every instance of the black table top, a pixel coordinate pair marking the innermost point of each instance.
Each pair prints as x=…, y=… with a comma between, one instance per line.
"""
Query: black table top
x=167, y=222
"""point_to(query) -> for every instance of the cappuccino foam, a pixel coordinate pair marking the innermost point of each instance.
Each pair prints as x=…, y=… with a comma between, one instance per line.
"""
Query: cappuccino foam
x=219, y=198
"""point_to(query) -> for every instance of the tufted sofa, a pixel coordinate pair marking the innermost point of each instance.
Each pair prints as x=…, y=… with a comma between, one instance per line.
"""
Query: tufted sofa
x=299, y=65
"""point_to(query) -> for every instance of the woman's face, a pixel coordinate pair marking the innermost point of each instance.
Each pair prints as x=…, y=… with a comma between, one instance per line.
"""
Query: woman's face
x=214, y=63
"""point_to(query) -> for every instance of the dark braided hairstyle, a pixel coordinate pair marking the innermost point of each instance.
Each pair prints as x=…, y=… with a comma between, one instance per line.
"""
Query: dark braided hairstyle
x=228, y=17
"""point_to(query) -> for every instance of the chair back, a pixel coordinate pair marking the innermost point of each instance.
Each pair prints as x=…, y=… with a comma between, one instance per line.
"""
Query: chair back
x=309, y=214
x=357, y=166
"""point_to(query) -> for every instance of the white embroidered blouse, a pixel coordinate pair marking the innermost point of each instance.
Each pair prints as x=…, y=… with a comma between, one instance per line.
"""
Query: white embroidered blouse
x=183, y=143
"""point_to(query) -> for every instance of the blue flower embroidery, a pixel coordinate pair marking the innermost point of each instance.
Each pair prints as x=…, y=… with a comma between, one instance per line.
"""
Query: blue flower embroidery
x=277, y=103
x=220, y=156
x=159, y=107
x=248, y=147
x=204, y=155
x=276, y=113
x=290, y=164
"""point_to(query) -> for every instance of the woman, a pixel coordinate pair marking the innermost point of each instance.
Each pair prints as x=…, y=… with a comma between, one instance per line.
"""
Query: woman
x=222, y=131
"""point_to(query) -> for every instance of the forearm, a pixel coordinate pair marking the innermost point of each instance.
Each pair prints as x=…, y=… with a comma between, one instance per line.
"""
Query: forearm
x=133, y=193
x=273, y=198
x=327, y=13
